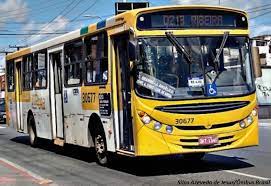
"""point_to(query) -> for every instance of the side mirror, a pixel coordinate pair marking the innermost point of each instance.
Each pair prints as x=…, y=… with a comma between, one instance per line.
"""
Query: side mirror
x=132, y=50
x=256, y=62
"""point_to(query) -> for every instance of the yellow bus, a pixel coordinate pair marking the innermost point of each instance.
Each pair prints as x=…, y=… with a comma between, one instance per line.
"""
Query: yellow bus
x=146, y=82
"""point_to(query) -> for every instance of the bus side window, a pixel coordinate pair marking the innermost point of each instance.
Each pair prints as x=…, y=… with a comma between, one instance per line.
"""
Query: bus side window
x=96, y=60
x=10, y=76
x=73, y=63
x=28, y=72
x=40, y=70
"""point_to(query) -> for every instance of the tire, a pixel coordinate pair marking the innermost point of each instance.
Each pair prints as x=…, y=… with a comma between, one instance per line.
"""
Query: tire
x=100, y=147
x=194, y=156
x=33, y=140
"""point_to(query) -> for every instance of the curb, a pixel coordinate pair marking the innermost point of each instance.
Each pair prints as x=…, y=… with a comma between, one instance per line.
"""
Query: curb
x=27, y=173
x=265, y=122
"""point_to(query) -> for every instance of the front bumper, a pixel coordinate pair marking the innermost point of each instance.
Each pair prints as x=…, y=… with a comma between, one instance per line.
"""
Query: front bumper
x=152, y=143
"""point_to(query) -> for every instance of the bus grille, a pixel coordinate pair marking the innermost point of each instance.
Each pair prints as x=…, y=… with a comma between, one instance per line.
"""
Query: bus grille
x=208, y=147
x=200, y=127
x=203, y=108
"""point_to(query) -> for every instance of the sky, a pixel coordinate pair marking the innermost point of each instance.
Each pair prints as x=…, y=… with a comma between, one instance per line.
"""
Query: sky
x=59, y=16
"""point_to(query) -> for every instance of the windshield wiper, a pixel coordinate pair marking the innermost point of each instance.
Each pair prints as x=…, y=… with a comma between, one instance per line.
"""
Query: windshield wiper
x=178, y=46
x=225, y=38
x=216, y=60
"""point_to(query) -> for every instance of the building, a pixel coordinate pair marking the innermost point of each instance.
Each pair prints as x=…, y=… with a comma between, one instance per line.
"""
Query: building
x=2, y=86
x=263, y=84
x=2, y=82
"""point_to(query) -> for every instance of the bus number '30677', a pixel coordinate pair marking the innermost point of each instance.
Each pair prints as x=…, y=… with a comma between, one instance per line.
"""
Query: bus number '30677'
x=88, y=97
x=184, y=121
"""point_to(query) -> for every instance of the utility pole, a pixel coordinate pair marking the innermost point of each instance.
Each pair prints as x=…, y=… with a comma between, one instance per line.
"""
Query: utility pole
x=5, y=52
x=17, y=47
x=219, y=2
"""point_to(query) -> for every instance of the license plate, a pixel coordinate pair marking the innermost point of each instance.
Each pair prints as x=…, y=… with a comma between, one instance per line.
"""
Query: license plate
x=208, y=140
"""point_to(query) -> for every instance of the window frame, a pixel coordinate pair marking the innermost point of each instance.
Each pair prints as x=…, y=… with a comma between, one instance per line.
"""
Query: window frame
x=261, y=43
x=25, y=64
x=105, y=57
x=8, y=75
x=80, y=62
x=35, y=63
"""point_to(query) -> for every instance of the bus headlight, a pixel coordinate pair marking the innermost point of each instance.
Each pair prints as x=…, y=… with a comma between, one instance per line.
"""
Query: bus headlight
x=254, y=112
x=169, y=129
x=242, y=124
x=146, y=119
x=157, y=125
x=249, y=120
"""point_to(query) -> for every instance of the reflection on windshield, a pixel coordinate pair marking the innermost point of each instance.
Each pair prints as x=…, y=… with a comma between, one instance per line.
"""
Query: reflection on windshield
x=229, y=75
x=2, y=105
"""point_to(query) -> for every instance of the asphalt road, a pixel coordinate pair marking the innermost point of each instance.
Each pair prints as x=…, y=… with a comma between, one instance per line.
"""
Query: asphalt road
x=50, y=165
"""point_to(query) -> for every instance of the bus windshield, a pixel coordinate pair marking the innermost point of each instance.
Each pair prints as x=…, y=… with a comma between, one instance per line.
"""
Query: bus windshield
x=164, y=72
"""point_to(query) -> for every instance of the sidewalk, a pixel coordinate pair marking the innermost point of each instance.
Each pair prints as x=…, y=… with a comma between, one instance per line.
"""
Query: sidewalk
x=12, y=174
x=265, y=122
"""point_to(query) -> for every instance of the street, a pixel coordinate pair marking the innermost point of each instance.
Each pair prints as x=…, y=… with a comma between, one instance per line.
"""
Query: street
x=21, y=164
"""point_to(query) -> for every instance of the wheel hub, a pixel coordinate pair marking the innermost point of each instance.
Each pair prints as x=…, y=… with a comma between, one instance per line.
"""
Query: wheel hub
x=99, y=143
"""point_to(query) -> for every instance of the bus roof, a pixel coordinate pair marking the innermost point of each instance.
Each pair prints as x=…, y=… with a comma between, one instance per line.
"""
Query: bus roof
x=111, y=21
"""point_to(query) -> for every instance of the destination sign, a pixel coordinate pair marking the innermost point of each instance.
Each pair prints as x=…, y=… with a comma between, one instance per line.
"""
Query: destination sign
x=174, y=21
x=184, y=19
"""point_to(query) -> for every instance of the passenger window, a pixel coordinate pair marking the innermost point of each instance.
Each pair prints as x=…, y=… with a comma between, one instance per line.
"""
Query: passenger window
x=96, y=60
x=10, y=76
x=27, y=72
x=40, y=71
x=73, y=63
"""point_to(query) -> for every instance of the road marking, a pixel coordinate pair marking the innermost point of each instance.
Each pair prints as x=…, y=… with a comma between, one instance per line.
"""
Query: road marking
x=39, y=179
x=265, y=124
x=2, y=127
x=247, y=175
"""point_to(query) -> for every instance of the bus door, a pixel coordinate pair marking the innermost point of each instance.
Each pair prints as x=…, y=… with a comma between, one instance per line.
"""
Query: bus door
x=56, y=92
x=18, y=92
x=124, y=92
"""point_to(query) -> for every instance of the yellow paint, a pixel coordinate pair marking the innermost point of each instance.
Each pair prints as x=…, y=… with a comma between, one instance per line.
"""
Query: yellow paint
x=9, y=96
x=92, y=28
x=150, y=142
x=202, y=32
x=38, y=101
x=25, y=97
x=114, y=77
x=19, y=53
x=18, y=82
x=148, y=106
x=93, y=103
x=19, y=59
x=90, y=95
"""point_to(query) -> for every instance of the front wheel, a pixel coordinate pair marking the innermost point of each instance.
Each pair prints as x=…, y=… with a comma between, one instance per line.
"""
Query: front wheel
x=32, y=132
x=100, y=148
